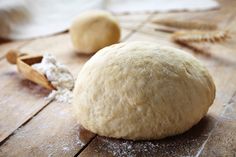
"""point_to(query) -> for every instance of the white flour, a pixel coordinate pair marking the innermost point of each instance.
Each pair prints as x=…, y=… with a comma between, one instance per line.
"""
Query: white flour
x=59, y=76
x=184, y=146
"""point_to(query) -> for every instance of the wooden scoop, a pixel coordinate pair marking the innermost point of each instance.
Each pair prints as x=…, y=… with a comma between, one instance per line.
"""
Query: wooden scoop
x=24, y=62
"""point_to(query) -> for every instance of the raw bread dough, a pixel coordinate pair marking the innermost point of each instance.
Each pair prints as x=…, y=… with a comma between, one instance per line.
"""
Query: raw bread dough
x=141, y=90
x=93, y=30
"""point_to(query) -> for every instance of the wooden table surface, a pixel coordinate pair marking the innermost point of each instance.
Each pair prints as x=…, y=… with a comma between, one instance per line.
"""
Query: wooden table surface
x=32, y=126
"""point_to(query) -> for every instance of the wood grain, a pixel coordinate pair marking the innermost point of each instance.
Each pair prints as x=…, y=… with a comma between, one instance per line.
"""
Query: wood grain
x=222, y=139
x=20, y=99
x=53, y=132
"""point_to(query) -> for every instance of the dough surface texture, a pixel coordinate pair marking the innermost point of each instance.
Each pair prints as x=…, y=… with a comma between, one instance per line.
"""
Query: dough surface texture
x=141, y=90
x=93, y=30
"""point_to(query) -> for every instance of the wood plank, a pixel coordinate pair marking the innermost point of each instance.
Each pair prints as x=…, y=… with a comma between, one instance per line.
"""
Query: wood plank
x=65, y=54
x=15, y=108
x=53, y=132
x=222, y=141
x=7, y=96
x=10, y=114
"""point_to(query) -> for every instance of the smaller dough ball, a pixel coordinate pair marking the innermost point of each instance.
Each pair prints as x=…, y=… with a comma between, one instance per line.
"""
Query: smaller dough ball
x=93, y=30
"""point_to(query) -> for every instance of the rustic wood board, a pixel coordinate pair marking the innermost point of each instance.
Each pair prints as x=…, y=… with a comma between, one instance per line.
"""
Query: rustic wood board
x=15, y=109
x=53, y=132
x=50, y=128
x=222, y=141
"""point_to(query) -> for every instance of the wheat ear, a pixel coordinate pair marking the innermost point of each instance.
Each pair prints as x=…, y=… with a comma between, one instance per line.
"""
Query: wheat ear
x=186, y=24
x=200, y=36
x=195, y=48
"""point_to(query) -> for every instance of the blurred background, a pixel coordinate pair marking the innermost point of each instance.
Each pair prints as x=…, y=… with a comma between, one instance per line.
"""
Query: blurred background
x=25, y=19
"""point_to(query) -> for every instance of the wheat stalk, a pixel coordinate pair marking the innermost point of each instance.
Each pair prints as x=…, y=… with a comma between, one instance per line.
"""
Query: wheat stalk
x=186, y=24
x=195, y=48
x=200, y=36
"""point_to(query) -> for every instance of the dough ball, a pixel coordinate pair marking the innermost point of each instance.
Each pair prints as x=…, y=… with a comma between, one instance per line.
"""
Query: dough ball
x=93, y=30
x=141, y=90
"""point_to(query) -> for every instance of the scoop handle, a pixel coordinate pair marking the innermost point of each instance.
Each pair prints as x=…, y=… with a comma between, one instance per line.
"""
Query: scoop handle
x=12, y=56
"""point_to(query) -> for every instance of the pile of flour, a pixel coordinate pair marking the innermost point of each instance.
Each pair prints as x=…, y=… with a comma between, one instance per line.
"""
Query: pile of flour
x=59, y=76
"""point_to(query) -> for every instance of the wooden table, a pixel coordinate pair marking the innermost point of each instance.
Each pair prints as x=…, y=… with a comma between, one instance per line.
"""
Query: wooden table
x=33, y=126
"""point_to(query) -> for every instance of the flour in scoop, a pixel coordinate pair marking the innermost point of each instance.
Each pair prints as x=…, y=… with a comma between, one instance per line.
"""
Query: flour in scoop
x=59, y=76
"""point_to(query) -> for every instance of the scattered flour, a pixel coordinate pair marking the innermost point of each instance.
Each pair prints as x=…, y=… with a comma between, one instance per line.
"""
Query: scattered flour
x=128, y=148
x=59, y=76
x=175, y=146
